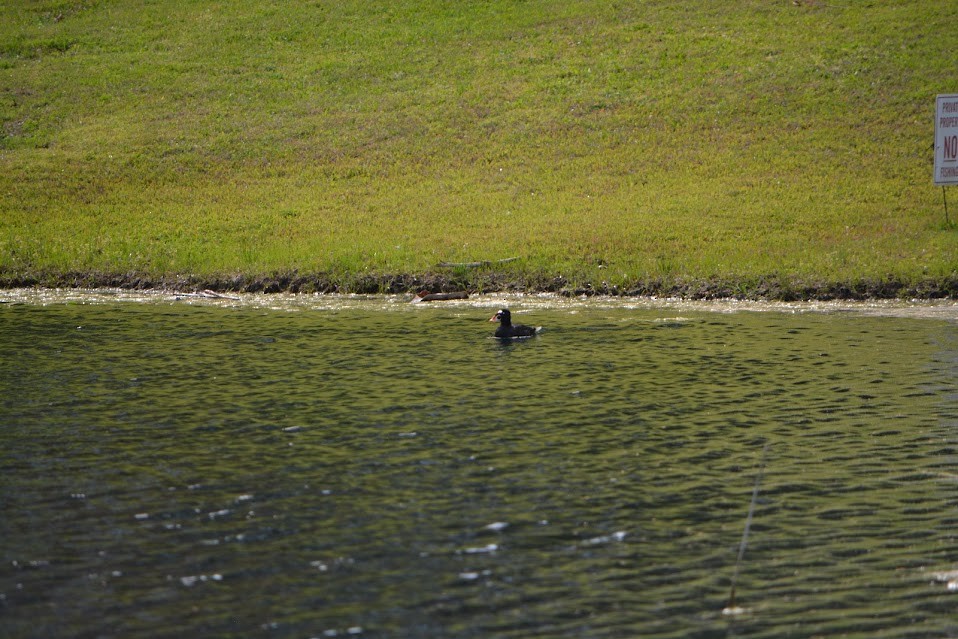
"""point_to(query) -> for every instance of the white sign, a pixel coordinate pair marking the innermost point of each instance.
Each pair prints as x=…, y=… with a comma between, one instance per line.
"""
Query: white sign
x=946, y=139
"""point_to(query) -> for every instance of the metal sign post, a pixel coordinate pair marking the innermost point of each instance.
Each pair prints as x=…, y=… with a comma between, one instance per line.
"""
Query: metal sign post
x=944, y=198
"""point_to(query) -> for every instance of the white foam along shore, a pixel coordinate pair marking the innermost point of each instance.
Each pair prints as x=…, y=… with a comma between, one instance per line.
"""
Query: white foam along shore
x=945, y=310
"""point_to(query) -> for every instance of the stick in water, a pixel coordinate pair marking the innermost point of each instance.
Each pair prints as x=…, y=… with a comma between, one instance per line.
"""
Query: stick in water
x=731, y=608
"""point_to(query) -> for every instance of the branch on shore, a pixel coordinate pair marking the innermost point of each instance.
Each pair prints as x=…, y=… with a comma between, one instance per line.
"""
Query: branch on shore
x=476, y=264
x=426, y=296
x=207, y=294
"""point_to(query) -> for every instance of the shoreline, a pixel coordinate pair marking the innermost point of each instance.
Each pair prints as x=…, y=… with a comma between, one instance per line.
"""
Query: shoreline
x=770, y=288
x=482, y=303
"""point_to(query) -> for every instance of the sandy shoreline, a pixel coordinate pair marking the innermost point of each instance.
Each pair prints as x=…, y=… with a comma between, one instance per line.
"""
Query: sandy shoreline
x=941, y=309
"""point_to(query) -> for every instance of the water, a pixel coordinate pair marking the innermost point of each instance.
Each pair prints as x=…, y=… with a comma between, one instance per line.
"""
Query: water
x=317, y=467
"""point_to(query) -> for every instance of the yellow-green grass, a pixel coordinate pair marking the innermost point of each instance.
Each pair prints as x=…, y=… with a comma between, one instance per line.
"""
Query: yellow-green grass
x=606, y=143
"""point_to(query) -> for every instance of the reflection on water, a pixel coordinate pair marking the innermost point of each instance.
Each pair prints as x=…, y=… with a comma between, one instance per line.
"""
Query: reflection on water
x=373, y=468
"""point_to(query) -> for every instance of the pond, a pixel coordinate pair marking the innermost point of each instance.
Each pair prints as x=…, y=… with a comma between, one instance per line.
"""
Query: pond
x=315, y=466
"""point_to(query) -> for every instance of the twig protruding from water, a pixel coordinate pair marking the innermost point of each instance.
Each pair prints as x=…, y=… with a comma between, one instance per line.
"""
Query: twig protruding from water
x=731, y=608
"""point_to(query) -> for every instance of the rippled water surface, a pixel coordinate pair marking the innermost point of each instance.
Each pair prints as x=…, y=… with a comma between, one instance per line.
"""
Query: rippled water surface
x=317, y=467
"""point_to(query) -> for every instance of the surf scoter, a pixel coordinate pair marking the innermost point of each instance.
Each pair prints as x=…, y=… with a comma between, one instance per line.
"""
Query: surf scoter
x=508, y=330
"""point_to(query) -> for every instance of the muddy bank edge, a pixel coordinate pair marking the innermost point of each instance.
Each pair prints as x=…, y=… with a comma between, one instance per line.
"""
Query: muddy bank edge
x=775, y=288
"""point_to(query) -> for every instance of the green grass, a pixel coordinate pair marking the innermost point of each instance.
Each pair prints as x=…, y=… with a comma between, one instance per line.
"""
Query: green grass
x=619, y=142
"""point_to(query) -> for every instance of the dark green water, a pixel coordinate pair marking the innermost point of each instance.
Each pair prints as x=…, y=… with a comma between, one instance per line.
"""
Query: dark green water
x=388, y=470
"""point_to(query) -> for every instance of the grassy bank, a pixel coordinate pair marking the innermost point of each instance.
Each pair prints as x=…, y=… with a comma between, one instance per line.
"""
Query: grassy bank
x=623, y=146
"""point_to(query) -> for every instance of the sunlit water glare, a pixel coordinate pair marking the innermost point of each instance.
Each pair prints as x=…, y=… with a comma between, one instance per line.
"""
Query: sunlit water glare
x=315, y=466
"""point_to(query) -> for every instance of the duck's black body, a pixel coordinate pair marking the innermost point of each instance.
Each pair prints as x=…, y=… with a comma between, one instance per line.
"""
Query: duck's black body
x=508, y=330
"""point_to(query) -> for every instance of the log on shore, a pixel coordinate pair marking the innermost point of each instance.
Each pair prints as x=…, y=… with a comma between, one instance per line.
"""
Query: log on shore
x=426, y=296
x=476, y=264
